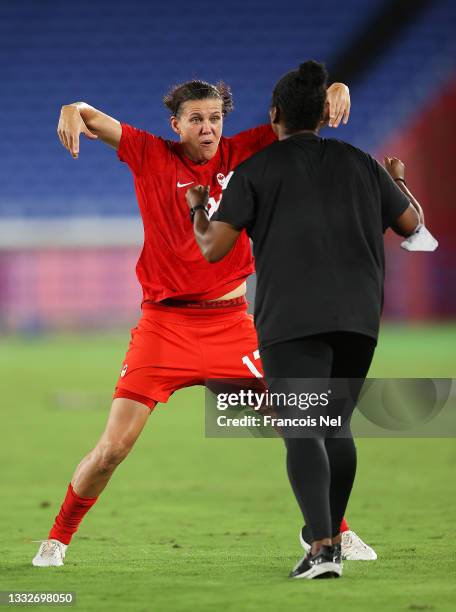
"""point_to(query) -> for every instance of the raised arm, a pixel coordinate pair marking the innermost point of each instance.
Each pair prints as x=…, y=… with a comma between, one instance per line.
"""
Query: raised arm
x=81, y=118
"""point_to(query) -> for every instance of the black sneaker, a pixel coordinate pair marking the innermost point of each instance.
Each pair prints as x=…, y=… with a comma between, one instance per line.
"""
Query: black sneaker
x=321, y=565
x=337, y=553
x=304, y=537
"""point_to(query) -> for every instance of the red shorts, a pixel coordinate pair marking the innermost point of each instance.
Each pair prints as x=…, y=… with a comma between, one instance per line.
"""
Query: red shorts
x=178, y=346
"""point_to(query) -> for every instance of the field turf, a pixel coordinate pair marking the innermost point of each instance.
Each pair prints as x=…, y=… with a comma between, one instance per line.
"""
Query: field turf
x=197, y=524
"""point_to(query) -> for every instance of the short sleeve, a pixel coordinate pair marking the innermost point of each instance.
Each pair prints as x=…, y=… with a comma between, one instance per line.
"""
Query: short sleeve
x=140, y=149
x=254, y=140
x=238, y=203
x=394, y=201
x=131, y=147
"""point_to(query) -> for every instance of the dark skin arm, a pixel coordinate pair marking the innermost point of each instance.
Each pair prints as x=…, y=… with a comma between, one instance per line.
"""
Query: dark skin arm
x=410, y=218
x=214, y=238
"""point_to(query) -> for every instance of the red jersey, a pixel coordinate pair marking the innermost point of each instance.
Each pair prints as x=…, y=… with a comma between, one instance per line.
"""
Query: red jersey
x=171, y=264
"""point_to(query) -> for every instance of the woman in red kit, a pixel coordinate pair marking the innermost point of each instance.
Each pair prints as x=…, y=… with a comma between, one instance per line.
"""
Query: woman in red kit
x=194, y=324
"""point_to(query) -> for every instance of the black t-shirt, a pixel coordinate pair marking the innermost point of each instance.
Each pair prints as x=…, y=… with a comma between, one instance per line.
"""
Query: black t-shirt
x=316, y=210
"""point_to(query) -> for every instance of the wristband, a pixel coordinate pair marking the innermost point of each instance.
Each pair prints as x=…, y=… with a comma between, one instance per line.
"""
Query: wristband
x=402, y=181
x=194, y=209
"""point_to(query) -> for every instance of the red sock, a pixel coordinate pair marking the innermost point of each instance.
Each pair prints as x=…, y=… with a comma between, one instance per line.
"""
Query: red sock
x=344, y=526
x=71, y=513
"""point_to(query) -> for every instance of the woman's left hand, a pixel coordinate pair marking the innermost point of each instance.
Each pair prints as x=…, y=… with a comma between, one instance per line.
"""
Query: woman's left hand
x=337, y=104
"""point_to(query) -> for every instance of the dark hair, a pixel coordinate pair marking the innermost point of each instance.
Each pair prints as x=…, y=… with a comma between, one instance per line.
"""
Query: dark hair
x=198, y=90
x=300, y=96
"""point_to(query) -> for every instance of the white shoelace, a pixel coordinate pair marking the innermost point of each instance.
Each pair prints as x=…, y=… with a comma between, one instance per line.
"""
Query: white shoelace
x=49, y=547
x=351, y=541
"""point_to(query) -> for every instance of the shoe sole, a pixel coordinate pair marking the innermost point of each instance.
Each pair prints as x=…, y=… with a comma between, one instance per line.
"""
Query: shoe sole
x=41, y=564
x=322, y=571
x=350, y=558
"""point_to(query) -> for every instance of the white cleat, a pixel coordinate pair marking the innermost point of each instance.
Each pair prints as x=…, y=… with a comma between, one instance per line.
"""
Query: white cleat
x=50, y=554
x=353, y=548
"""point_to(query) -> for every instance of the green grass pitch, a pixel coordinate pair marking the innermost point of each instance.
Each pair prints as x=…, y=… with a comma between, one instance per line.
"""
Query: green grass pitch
x=196, y=524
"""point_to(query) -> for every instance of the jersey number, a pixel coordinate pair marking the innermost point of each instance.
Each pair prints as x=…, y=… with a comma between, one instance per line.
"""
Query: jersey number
x=249, y=363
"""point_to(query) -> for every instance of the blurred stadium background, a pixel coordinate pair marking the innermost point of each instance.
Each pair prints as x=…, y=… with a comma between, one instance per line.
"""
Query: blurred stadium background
x=190, y=522
x=70, y=231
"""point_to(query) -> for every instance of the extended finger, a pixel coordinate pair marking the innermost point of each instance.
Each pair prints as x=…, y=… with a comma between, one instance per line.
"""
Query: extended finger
x=71, y=144
x=59, y=134
x=74, y=145
x=335, y=111
x=346, y=113
x=64, y=140
x=340, y=113
x=332, y=111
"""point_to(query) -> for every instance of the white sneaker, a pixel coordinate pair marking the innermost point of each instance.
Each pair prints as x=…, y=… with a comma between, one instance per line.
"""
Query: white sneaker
x=353, y=548
x=50, y=553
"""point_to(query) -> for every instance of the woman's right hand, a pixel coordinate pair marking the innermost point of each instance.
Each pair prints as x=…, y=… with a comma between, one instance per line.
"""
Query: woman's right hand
x=70, y=126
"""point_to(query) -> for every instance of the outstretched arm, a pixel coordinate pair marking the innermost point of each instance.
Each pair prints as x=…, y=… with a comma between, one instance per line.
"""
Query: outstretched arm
x=81, y=118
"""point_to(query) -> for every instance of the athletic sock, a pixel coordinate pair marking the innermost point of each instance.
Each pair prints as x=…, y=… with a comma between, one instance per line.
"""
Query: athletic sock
x=344, y=526
x=71, y=513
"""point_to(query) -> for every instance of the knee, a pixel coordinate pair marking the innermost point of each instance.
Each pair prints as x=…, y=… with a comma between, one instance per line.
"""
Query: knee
x=108, y=455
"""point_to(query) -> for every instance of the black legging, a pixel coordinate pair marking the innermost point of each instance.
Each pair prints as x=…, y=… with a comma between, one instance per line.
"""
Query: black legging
x=321, y=469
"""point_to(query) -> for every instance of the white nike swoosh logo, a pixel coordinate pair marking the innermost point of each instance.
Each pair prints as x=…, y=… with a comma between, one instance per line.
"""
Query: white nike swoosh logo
x=184, y=184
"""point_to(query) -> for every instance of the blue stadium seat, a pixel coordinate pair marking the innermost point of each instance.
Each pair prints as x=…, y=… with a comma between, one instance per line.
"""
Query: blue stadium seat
x=122, y=57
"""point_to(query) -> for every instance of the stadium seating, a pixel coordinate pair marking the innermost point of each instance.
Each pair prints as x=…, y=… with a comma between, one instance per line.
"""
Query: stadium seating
x=122, y=57
x=407, y=78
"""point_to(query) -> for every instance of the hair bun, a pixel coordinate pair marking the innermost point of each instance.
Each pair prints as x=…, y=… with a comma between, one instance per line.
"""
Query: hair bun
x=312, y=74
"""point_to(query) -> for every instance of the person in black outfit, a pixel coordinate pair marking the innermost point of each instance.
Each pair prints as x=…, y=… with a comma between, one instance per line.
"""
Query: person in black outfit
x=316, y=210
